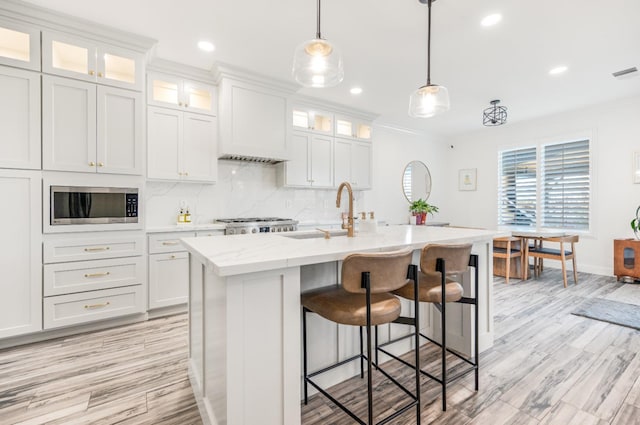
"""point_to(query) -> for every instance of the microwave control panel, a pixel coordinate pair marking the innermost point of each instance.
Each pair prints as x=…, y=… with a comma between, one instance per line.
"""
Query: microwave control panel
x=132, y=204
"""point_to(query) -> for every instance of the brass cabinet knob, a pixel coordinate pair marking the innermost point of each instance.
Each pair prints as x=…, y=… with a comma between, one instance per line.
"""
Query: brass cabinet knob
x=179, y=103
x=100, y=164
x=92, y=164
x=100, y=74
x=91, y=72
x=186, y=173
x=179, y=173
x=186, y=105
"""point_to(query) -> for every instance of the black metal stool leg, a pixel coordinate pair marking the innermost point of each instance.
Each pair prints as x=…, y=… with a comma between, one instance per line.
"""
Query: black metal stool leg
x=443, y=324
x=361, y=356
x=304, y=351
x=367, y=282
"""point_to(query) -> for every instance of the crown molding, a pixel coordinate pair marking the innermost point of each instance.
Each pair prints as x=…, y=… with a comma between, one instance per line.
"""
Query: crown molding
x=46, y=19
x=334, y=107
x=185, y=71
x=223, y=70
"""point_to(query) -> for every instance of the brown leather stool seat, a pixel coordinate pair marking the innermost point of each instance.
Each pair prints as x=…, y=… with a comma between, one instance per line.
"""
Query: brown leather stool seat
x=365, y=299
x=347, y=308
x=430, y=291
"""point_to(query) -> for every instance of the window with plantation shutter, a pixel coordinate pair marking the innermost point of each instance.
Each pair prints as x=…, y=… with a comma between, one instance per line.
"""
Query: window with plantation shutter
x=546, y=186
x=517, y=188
x=566, y=185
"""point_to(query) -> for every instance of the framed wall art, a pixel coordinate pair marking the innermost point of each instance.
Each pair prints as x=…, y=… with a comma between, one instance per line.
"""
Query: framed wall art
x=467, y=179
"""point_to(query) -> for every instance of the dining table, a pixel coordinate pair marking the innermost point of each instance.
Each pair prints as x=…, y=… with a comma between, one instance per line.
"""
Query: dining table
x=538, y=237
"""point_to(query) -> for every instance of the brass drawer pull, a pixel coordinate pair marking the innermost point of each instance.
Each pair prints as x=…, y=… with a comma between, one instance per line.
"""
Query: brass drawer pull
x=97, y=274
x=99, y=248
x=92, y=306
x=170, y=243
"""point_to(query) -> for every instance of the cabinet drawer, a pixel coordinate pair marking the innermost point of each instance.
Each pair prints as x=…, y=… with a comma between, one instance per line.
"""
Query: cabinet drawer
x=67, y=278
x=168, y=242
x=206, y=233
x=78, y=249
x=76, y=309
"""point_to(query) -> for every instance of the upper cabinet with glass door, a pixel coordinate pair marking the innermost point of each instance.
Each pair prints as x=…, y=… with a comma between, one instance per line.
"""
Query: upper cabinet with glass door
x=19, y=45
x=174, y=92
x=353, y=128
x=309, y=119
x=88, y=60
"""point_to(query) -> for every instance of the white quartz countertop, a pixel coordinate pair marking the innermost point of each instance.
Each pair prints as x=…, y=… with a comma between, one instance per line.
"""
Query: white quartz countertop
x=185, y=228
x=239, y=254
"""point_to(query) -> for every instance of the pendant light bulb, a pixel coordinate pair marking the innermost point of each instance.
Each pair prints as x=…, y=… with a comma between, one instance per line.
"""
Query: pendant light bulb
x=318, y=63
x=430, y=99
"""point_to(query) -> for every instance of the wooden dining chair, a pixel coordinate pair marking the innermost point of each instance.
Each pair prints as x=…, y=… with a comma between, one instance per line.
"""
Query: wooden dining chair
x=562, y=254
x=506, y=249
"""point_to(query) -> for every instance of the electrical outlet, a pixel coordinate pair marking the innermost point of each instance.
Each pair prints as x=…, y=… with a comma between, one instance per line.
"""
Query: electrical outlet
x=287, y=203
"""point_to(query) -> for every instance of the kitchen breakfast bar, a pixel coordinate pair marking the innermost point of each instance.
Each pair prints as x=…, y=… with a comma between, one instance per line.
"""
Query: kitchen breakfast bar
x=245, y=314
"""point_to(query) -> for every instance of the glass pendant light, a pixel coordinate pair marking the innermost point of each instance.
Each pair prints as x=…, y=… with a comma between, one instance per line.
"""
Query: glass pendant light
x=318, y=63
x=430, y=99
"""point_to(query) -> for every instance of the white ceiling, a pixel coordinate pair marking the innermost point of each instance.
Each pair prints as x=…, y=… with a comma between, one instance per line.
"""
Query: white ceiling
x=384, y=48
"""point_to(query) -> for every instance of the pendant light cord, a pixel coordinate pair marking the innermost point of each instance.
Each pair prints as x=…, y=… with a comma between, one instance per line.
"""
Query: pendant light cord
x=318, y=36
x=428, y=43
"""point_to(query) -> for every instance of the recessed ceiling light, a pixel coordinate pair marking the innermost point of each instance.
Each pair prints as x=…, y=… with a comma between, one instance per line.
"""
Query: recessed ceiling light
x=355, y=90
x=206, y=46
x=490, y=20
x=558, y=70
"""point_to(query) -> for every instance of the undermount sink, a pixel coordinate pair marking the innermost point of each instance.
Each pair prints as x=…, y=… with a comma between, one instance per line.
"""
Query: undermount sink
x=314, y=234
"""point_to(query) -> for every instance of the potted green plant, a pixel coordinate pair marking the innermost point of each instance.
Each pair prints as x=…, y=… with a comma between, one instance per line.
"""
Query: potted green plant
x=420, y=208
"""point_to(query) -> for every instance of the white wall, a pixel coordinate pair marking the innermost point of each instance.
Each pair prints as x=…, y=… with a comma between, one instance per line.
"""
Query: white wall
x=615, y=128
x=393, y=150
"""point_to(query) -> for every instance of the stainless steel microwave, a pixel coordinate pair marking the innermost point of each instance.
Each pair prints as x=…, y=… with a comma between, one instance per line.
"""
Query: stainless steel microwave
x=93, y=205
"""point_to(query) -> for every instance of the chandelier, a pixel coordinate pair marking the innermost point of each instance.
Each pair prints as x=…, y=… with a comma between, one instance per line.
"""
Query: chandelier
x=494, y=114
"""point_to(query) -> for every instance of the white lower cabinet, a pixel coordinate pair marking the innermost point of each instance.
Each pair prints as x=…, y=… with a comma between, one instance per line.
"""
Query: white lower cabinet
x=168, y=279
x=169, y=267
x=84, y=307
x=20, y=255
x=93, y=276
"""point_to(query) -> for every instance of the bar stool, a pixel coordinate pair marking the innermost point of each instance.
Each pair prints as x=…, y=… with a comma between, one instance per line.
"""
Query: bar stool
x=364, y=299
x=439, y=264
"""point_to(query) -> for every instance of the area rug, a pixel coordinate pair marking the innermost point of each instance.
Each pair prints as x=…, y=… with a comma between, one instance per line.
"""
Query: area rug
x=615, y=312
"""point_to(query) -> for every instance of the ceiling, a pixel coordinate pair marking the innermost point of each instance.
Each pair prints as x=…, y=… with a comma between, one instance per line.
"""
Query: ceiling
x=384, y=49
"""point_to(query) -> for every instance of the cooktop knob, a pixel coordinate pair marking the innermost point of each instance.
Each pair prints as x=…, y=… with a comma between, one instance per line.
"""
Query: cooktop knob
x=231, y=232
x=253, y=230
x=243, y=231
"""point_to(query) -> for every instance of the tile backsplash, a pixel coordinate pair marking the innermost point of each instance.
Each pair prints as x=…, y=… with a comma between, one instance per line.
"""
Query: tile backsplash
x=243, y=190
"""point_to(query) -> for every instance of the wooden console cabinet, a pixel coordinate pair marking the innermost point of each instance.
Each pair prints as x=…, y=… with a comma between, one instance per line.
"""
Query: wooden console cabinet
x=626, y=258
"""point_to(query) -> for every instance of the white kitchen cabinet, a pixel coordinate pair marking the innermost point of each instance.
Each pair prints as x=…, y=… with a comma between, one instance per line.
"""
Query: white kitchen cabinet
x=168, y=269
x=92, y=276
x=19, y=118
x=168, y=279
x=311, y=119
x=254, y=122
x=311, y=164
x=90, y=128
x=353, y=163
x=349, y=127
x=87, y=60
x=19, y=45
x=174, y=92
x=181, y=145
x=20, y=254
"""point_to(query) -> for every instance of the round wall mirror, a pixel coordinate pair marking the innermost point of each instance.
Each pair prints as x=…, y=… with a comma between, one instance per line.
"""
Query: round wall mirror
x=416, y=181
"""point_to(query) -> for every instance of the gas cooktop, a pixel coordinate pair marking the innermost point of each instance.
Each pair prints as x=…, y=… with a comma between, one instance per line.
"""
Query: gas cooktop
x=245, y=225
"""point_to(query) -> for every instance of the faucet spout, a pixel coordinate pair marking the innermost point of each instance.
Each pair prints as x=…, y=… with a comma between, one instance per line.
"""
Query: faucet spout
x=349, y=224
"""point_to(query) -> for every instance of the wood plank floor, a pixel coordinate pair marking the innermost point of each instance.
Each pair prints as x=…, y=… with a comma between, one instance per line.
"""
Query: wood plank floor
x=546, y=367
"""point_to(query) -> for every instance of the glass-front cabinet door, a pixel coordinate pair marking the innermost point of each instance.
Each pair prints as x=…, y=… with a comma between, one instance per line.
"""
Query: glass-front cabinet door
x=19, y=45
x=353, y=128
x=309, y=119
x=174, y=92
x=87, y=60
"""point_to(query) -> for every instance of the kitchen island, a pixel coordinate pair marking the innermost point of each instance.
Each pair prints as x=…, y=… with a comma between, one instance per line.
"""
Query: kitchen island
x=244, y=314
